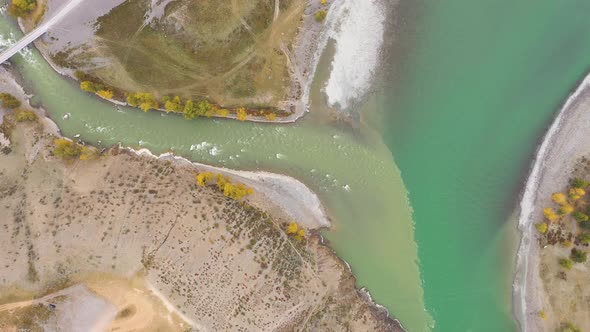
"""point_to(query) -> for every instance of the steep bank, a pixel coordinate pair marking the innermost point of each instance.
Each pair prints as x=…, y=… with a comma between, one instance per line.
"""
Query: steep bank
x=564, y=144
x=202, y=251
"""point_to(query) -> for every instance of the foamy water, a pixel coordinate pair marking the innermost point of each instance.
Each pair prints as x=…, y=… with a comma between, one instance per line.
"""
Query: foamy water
x=358, y=33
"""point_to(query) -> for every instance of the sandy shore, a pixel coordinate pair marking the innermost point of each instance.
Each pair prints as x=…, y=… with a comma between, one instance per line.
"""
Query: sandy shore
x=565, y=142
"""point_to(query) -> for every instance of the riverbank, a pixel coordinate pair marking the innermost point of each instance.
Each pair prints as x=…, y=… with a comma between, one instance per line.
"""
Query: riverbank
x=148, y=231
x=565, y=142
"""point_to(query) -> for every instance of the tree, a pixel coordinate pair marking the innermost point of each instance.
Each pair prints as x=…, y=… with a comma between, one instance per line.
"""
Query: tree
x=541, y=227
x=292, y=228
x=21, y=115
x=323, y=2
x=320, y=15
x=579, y=183
x=222, y=112
x=66, y=149
x=580, y=216
x=566, y=263
x=576, y=193
x=550, y=214
x=173, y=105
x=203, y=178
x=106, y=94
x=578, y=256
x=565, y=209
x=9, y=101
x=21, y=8
x=271, y=116
x=300, y=235
x=190, y=110
x=236, y=192
x=559, y=198
x=241, y=114
x=144, y=100
x=88, y=86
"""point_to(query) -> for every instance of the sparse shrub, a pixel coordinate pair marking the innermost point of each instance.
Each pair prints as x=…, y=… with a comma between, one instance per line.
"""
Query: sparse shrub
x=579, y=183
x=580, y=216
x=20, y=8
x=320, y=15
x=21, y=115
x=9, y=101
x=66, y=149
x=566, y=263
x=578, y=256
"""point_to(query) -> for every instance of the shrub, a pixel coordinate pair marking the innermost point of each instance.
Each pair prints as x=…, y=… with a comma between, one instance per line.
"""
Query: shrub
x=580, y=216
x=578, y=256
x=585, y=225
x=566, y=263
x=541, y=227
x=542, y=314
x=579, y=183
x=25, y=115
x=292, y=228
x=9, y=101
x=21, y=8
x=203, y=178
x=320, y=15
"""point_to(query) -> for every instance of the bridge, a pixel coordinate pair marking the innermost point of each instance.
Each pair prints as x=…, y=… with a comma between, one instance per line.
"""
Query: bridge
x=38, y=31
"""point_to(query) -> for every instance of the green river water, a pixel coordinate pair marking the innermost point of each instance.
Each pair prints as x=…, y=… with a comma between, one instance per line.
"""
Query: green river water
x=475, y=85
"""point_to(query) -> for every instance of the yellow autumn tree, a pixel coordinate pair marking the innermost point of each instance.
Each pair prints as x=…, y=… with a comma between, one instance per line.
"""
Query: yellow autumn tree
x=300, y=235
x=559, y=198
x=88, y=86
x=20, y=8
x=565, y=209
x=221, y=181
x=106, y=94
x=271, y=116
x=241, y=114
x=222, y=112
x=203, y=178
x=576, y=193
x=236, y=191
x=550, y=214
x=174, y=105
x=292, y=228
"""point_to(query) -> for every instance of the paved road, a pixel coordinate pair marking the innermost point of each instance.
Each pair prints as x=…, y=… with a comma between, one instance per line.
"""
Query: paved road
x=38, y=31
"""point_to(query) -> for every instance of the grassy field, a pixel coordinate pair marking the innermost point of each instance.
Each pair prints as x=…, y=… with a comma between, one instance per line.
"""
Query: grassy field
x=227, y=51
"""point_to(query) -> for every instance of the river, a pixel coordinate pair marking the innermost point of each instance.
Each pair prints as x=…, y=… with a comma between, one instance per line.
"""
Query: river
x=474, y=87
x=352, y=171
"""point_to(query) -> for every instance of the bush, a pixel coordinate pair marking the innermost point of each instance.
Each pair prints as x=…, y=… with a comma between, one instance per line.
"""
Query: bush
x=320, y=15
x=579, y=183
x=566, y=263
x=21, y=8
x=9, y=101
x=578, y=256
x=25, y=115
